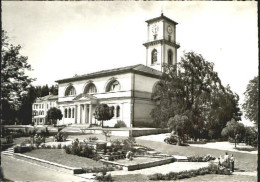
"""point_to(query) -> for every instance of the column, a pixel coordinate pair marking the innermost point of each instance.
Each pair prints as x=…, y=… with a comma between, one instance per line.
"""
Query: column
x=85, y=113
x=82, y=114
x=78, y=113
x=75, y=114
x=90, y=114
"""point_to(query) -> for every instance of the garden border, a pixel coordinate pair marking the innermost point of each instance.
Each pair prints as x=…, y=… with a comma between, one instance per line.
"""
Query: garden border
x=52, y=165
x=141, y=165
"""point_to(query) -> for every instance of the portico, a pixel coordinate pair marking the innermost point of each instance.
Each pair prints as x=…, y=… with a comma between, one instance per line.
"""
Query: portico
x=80, y=110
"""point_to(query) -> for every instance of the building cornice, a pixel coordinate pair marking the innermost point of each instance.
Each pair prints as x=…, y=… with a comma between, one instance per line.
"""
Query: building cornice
x=84, y=77
x=161, y=41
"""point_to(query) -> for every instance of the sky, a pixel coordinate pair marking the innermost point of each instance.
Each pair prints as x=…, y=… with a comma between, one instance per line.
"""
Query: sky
x=62, y=39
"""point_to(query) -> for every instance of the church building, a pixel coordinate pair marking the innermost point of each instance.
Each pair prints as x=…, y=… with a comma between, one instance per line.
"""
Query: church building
x=128, y=89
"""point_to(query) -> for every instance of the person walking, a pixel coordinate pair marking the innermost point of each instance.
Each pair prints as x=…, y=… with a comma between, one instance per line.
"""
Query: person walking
x=232, y=162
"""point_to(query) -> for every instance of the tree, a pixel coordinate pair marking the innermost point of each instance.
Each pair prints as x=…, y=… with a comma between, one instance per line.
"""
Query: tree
x=234, y=130
x=185, y=89
x=250, y=105
x=192, y=88
x=103, y=112
x=224, y=105
x=251, y=134
x=14, y=82
x=179, y=124
x=54, y=114
x=25, y=110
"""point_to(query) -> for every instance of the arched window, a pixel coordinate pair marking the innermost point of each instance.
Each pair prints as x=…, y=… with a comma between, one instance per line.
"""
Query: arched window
x=69, y=113
x=154, y=56
x=170, y=57
x=117, y=111
x=112, y=110
x=70, y=91
x=66, y=113
x=90, y=88
x=72, y=113
x=113, y=86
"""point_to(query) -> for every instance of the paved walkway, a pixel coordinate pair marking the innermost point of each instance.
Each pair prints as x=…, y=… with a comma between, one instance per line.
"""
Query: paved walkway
x=254, y=173
x=172, y=167
x=212, y=145
x=20, y=170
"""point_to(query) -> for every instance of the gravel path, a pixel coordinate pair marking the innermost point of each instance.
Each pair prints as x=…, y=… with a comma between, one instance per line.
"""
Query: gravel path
x=212, y=145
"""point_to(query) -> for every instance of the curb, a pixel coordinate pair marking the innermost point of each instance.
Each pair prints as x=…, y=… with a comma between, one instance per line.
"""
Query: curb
x=49, y=164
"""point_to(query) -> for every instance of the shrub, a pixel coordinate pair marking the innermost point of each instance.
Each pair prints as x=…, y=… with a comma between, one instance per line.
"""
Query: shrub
x=92, y=138
x=103, y=177
x=22, y=149
x=171, y=140
x=37, y=140
x=128, y=143
x=60, y=137
x=197, y=158
x=187, y=174
x=120, y=124
x=80, y=149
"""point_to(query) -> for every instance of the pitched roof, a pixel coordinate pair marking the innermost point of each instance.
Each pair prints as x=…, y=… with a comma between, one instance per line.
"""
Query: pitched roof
x=160, y=18
x=47, y=97
x=139, y=68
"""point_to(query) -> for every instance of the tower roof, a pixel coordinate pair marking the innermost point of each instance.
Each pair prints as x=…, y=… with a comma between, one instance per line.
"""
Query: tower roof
x=162, y=17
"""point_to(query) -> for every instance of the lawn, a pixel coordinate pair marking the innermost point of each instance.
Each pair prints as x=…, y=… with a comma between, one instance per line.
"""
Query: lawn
x=243, y=161
x=59, y=156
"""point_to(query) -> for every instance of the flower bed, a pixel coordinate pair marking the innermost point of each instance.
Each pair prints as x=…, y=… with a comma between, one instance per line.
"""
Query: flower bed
x=204, y=158
x=212, y=169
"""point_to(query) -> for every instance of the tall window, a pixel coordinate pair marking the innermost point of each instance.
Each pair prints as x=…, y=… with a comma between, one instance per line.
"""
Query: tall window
x=117, y=111
x=72, y=113
x=170, y=57
x=90, y=88
x=113, y=110
x=70, y=91
x=154, y=56
x=66, y=113
x=114, y=86
x=169, y=38
x=69, y=113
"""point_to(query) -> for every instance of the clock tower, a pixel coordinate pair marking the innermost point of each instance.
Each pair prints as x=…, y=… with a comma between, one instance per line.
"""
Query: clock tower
x=161, y=46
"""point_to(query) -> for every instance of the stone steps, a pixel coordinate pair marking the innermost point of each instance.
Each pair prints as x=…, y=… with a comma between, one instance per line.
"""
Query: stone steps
x=9, y=151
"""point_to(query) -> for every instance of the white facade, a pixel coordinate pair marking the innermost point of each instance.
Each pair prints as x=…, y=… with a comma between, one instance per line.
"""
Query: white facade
x=40, y=108
x=127, y=89
x=131, y=98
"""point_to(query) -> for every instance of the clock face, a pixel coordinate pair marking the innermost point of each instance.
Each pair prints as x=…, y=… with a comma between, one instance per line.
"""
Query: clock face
x=155, y=28
x=169, y=29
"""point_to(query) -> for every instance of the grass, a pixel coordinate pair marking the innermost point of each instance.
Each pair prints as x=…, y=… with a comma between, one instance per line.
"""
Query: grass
x=59, y=156
x=243, y=161
x=245, y=149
